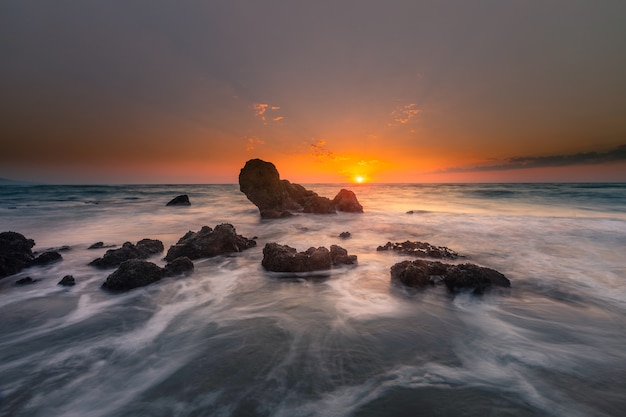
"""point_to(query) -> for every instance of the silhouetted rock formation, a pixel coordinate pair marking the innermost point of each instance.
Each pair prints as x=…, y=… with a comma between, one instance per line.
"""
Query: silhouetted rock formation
x=209, y=242
x=15, y=253
x=181, y=200
x=142, y=250
x=420, y=274
x=47, y=258
x=283, y=258
x=260, y=182
x=420, y=249
x=67, y=281
x=135, y=273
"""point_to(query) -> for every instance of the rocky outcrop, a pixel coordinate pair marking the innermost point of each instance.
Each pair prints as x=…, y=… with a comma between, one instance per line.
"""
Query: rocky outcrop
x=346, y=200
x=131, y=274
x=209, y=242
x=420, y=250
x=421, y=274
x=181, y=200
x=260, y=182
x=15, y=253
x=67, y=281
x=142, y=250
x=283, y=258
x=178, y=266
x=47, y=258
x=135, y=273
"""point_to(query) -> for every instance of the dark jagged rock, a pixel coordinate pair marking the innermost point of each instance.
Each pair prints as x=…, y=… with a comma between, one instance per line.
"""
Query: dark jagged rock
x=15, y=253
x=181, y=200
x=25, y=281
x=47, y=258
x=346, y=200
x=283, y=258
x=420, y=249
x=178, y=266
x=421, y=273
x=209, y=242
x=67, y=281
x=142, y=250
x=340, y=256
x=100, y=245
x=133, y=273
x=260, y=182
x=345, y=235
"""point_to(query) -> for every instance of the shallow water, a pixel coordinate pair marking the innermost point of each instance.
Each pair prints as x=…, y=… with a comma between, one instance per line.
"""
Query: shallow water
x=234, y=340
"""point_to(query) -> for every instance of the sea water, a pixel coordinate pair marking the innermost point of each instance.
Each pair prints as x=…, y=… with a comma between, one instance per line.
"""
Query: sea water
x=234, y=340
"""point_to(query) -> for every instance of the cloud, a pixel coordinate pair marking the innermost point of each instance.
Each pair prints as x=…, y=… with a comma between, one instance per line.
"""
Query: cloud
x=370, y=162
x=263, y=111
x=253, y=142
x=524, y=162
x=318, y=149
x=402, y=114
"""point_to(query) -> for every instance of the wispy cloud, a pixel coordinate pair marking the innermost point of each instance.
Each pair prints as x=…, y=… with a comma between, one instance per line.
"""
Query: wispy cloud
x=367, y=163
x=265, y=112
x=402, y=114
x=524, y=162
x=253, y=142
x=319, y=150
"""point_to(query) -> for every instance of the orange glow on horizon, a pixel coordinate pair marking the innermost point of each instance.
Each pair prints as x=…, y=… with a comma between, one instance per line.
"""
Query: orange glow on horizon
x=359, y=179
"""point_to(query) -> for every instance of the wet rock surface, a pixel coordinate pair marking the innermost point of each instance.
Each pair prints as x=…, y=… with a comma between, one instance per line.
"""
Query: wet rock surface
x=100, y=245
x=208, y=242
x=15, y=253
x=25, y=281
x=178, y=266
x=181, y=200
x=133, y=273
x=67, y=281
x=142, y=250
x=420, y=250
x=275, y=198
x=283, y=258
x=47, y=258
x=421, y=273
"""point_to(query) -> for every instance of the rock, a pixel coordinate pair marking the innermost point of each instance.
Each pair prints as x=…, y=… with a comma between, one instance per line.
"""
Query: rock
x=260, y=182
x=410, y=212
x=131, y=274
x=346, y=200
x=15, y=253
x=67, y=281
x=345, y=235
x=100, y=245
x=420, y=249
x=209, y=242
x=47, y=258
x=477, y=278
x=25, y=281
x=421, y=273
x=339, y=256
x=181, y=200
x=178, y=266
x=114, y=257
x=283, y=258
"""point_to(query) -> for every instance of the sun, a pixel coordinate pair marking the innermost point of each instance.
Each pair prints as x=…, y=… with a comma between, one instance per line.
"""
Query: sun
x=359, y=179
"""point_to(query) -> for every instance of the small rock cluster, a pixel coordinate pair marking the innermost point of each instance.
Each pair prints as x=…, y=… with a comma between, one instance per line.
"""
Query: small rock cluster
x=283, y=258
x=420, y=249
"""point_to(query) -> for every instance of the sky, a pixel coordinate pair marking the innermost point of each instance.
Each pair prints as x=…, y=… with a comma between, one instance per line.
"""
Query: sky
x=152, y=91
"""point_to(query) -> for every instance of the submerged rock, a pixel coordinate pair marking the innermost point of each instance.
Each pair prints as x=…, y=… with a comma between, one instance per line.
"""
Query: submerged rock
x=420, y=249
x=67, y=281
x=283, y=258
x=100, y=245
x=209, y=242
x=25, y=281
x=421, y=273
x=133, y=273
x=181, y=200
x=345, y=235
x=260, y=182
x=15, y=253
x=142, y=250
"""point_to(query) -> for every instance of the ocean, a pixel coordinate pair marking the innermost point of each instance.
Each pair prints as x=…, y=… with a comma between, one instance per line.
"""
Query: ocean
x=234, y=340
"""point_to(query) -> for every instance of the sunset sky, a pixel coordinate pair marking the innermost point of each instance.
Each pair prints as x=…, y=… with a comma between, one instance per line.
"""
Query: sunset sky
x=394, y=91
